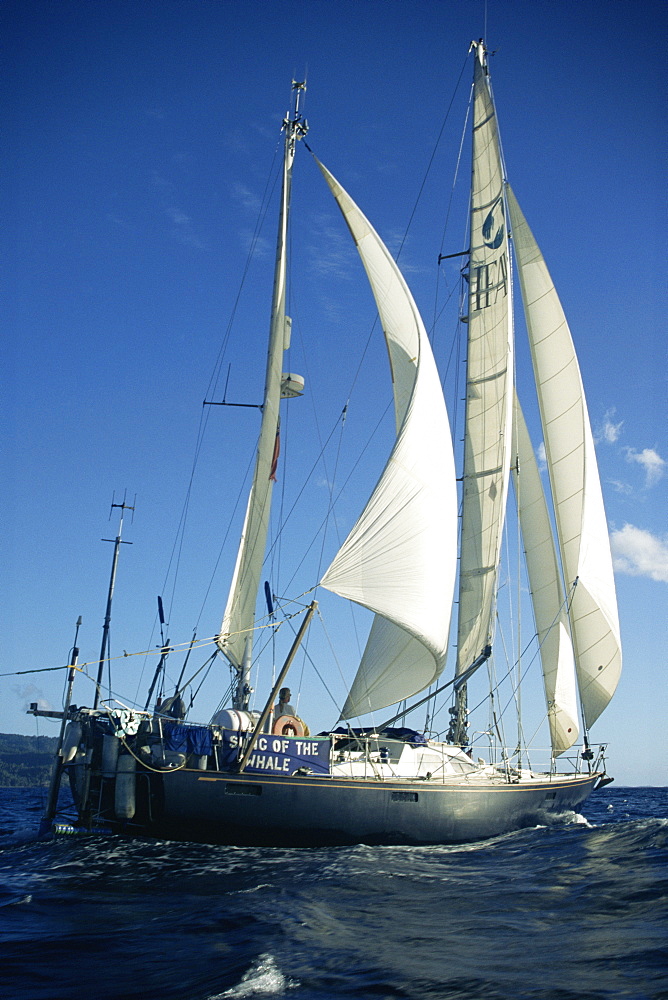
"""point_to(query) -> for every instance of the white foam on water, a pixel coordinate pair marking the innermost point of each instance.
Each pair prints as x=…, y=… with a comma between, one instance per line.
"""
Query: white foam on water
x=263, y=977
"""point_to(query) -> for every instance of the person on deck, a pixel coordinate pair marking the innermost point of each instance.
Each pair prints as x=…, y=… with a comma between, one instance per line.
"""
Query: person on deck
x=283, y=706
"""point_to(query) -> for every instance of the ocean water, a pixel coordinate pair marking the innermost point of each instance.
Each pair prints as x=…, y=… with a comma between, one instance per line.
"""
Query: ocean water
x=572, y=911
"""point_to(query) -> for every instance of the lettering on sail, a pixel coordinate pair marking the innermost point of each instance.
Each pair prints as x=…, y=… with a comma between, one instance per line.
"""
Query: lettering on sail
x=489, y=282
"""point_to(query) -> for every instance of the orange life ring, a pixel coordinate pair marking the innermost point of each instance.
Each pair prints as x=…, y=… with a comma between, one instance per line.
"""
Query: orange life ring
x=288, y=725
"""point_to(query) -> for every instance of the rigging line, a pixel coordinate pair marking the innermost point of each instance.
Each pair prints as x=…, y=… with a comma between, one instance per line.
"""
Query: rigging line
x=519, y=551
x=272, y=178
x=148, y=767
x=225, y=700
x=241, y=493
x=371, y=331
x=516, y=681
x=440, y=312
x=431, y=159
x=195, y=693
x=328, y=516
x=452, y=193
x=511, y=611
x=313, y=664
x=308, y=476
x=208, y=641
x=207, y=663
x=340, y=422
x=177, y=547
x=496, y=721
x=509, y=676
x=307, y=369
x=270, y=186
x=330, y=508
x=340, y=493
x=45, y=670
x=331, y=483
x=413, y=211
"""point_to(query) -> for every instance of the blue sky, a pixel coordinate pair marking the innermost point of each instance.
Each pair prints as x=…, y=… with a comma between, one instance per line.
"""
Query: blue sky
x=139, y=138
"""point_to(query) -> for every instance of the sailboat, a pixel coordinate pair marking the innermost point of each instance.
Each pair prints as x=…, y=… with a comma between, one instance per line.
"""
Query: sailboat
x=419, y=548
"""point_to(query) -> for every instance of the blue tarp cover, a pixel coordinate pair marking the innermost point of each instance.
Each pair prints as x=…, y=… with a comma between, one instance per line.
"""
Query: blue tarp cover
x=189, y=739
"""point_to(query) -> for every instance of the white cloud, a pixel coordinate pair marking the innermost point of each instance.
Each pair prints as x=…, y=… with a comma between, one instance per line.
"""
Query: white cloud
x=246, y=198
x=332, y=251
x=178, y=217
x=609, y=431
x=30, y=694
x=184, y=230
x=620, y=487
x=640, y=553
x=541, y=456
x=256, y=245
x=651, y=462
x=161, y=183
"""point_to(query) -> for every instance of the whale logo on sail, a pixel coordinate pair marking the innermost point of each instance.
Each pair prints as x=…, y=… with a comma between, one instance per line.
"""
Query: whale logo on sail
x=494, y=226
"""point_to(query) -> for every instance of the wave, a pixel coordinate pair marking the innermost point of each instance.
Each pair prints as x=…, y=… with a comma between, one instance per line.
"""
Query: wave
x=263, y=977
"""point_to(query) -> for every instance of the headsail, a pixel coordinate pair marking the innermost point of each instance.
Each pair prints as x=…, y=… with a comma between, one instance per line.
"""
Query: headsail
x=547, y=592
x=399, y=559
x=489, y=379
x=576, y=489
x=236, y=632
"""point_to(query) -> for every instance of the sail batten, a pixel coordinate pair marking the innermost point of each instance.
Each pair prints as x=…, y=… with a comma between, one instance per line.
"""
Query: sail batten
x=399, y=559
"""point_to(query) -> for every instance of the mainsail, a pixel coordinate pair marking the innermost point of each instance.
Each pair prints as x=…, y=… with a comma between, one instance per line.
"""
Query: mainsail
x=547, y=592
x=236, y=634
x=399, y=559
x=576, y=490
x=489, y=379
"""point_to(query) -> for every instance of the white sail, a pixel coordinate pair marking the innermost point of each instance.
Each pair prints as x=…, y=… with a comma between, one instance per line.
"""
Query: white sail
x=399, y=559
x=547, y=593
x=236, y=632
x=489, y=375
x=576, y=489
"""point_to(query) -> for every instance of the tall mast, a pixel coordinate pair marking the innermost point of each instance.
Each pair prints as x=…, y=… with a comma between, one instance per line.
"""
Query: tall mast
x=56, y=774
x=236, y=634
x=489, y=375
x=104, y=650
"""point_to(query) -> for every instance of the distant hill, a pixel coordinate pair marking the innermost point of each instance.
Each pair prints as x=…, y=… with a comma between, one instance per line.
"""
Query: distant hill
x=26, y=761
